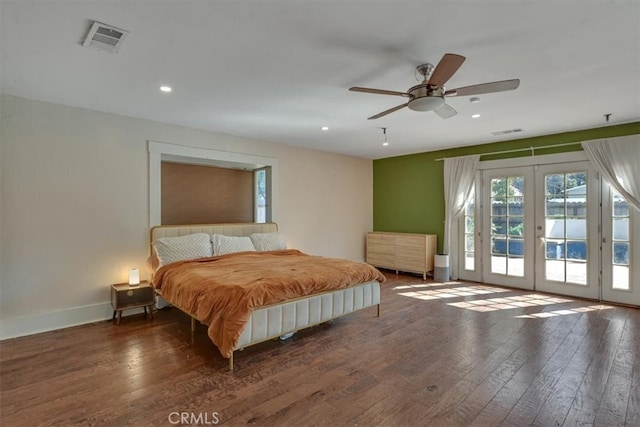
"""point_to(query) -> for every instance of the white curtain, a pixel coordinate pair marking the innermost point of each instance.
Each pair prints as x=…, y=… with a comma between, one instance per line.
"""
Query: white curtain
x=618, y=160
x=459, y=174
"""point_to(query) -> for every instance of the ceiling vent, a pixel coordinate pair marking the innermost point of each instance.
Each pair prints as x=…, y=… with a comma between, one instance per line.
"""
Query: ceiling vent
x=104, y=37
x=505, y=132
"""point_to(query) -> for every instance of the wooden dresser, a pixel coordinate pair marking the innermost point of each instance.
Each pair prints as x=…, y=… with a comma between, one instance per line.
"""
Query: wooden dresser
x=402, y=251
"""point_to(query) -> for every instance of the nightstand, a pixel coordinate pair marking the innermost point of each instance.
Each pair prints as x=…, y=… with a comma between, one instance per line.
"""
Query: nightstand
x=124, y=297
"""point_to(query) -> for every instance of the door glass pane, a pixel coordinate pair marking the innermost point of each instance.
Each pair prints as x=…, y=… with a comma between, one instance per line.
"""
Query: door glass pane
x=516, y=257
x=469, y=243
x=516, y=205
x=498, y=188
x=621, y=253
x=577, y=249
x=620, y=229
x=566, y=227
x=620, y=241
x=516, y=226
x=507, y=226
x=554, y=206
x=516, y=266
x=498, y=225
x=555, y=249
x=469, y=262
x=554, y=270
x=576, y=184
x=469, y=225
x=498, y=263
x=577, y=272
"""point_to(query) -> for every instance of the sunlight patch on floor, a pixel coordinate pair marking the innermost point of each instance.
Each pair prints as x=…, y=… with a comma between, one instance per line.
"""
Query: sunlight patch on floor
x=564, y=312
x=434, y=291
x=424, y=285
x=494, y=304
x=463, y=291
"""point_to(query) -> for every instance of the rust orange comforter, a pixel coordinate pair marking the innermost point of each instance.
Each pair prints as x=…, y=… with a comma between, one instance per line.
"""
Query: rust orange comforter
x=222, y=291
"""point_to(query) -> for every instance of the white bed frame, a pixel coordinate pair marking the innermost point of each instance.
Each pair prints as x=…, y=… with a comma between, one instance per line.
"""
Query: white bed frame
x=280, y=319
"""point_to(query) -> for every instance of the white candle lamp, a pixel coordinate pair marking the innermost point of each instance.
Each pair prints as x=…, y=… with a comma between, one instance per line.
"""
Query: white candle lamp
x=134, y=277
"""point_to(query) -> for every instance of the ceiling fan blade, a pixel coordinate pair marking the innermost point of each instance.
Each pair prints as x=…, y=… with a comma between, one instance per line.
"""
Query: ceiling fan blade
x=378, y=91
x=389, y=111
x=446, y=68
x=500, y=86
x=445, y=111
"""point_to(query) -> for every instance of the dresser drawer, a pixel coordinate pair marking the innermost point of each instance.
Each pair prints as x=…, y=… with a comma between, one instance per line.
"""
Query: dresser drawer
x=411, y=241
x=382, y=249
x=381, y=238
x=409, y=251
x=381, y=260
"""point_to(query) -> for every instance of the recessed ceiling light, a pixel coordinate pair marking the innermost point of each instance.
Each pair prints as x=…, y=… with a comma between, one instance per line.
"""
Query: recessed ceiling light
x=384, y=144
x=324, y=128
x=474, y=100
x=475, y=116
x=165, y=88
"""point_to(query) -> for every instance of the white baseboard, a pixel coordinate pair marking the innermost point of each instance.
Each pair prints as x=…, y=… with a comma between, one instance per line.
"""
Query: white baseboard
x=43, y=322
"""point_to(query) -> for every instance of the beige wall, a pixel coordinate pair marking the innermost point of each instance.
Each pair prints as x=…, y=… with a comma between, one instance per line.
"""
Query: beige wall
x=75, y=206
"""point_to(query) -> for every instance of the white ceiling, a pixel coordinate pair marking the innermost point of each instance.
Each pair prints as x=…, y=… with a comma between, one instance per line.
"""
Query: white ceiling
x=279, y=70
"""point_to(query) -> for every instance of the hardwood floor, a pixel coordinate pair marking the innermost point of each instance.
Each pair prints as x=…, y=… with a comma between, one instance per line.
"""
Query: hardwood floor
x=460, y=354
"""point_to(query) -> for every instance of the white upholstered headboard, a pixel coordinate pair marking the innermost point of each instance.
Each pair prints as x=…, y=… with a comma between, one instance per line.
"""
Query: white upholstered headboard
x=237, y=229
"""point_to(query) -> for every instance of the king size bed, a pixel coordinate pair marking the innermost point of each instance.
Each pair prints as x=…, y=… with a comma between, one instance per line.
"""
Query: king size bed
x=244, y=284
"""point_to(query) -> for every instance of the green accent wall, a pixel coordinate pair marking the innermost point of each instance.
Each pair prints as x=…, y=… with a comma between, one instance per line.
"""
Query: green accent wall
x=408, y=191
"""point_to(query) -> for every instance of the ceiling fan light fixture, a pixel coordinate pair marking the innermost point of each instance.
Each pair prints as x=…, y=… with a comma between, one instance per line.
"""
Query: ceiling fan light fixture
x=426, y=103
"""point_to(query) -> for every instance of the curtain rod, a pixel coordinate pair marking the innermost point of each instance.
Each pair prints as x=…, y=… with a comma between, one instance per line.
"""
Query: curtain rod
x=532, y=149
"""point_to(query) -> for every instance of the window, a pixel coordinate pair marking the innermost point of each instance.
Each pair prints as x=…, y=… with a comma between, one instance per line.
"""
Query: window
x=262, y=199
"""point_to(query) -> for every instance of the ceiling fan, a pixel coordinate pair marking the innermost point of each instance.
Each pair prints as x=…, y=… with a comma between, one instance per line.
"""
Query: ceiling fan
x=429, y=95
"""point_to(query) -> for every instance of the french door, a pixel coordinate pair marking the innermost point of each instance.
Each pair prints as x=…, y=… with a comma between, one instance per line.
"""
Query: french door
x=508, y=224
x=620, y=229
x=567, y=206
x=554, y=227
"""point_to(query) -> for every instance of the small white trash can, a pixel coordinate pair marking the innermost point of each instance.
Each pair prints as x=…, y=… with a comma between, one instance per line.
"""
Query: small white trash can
x=441, y=271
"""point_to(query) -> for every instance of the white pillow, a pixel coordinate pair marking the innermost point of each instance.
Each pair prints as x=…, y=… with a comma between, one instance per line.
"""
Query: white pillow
x=268, y=241
x=174, y=249
x=227, y=245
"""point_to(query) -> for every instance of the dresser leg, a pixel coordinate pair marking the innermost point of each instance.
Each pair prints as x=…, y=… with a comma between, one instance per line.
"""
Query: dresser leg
x=119, y=317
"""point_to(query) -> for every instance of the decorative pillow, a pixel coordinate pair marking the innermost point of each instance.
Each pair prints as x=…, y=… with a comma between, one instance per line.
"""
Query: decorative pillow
x=227, y=245
x=268, y=241
x=174, y=249
x=152, y=263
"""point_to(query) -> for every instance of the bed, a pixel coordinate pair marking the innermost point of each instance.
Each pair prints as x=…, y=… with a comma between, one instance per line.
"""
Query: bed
x=249, y=296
